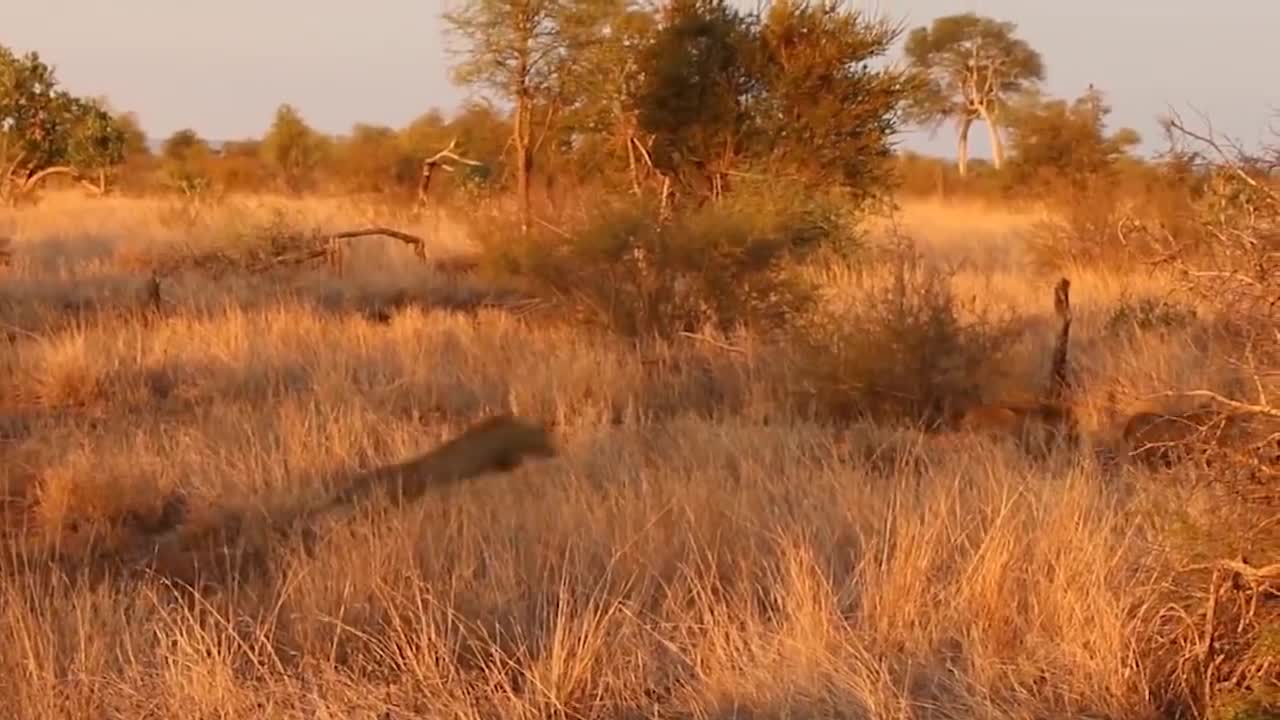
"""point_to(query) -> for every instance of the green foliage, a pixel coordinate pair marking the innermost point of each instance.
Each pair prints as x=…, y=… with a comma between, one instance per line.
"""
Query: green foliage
x=517, y=50
x=293, y=149
x=696, y=83
x=599, y=129
x=970, y=60
x=822, y=114
x=791, y=95
x=1056, y=141
x=44, y=130
x=133, y=137
x=1062, y=152
x=508, y=47
x=482, y=134
x=698, y=91
x=728, y=266
x=184, y=145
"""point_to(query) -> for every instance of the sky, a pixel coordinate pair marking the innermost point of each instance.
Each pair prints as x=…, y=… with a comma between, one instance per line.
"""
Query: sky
x=223, y=68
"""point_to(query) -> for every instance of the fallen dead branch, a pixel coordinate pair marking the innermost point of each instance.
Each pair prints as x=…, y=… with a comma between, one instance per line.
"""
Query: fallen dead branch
x=1266, y=574
x=274, y=250
x=1236, y=405
x=443, y=160
x=418, y=244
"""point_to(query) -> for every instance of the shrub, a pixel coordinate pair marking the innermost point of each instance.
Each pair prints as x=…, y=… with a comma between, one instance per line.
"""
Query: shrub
x=901, y=347
x=1084, y=229
x=729, y=266
x=1147, y=314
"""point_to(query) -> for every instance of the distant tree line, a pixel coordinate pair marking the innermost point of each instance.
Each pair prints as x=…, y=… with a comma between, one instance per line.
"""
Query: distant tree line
x=680, y=102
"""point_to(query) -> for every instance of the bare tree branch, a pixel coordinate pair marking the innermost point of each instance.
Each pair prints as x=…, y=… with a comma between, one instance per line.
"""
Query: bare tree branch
x=1242, y=407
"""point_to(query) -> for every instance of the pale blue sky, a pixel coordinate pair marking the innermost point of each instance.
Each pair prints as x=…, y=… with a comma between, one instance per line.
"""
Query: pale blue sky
x=222, y=68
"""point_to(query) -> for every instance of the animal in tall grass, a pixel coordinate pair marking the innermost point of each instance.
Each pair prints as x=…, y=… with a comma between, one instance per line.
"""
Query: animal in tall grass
x=197, y=548
x=1041, y=424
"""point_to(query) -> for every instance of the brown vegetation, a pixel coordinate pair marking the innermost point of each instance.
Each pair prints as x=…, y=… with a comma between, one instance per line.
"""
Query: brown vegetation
x=1044, y=423
x=681, y=461
x=211, y=546
x=1155, y=437
x=672, y=251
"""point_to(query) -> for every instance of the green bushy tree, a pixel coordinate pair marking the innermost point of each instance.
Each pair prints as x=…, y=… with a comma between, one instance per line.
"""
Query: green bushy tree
x=293, y=149
x=1065, y=141
x=45, y=131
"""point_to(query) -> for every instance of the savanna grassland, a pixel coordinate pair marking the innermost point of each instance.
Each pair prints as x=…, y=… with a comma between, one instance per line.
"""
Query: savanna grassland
x=716, y=537
x=688, y=390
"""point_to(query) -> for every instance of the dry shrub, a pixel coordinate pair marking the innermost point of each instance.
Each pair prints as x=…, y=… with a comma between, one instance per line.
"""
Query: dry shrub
x=728, y=266
x=1229, y=261
x=1149, y=314
x=1218, y=638
x=903, y=346
x=1101, y=222
x=1085, y=229
x=240, y=244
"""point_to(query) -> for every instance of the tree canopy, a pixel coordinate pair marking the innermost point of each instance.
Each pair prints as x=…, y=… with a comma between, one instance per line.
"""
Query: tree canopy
x=514, y=49
x=971, y=66
x=788, y=94
x=47, y=131
x=293, y=149
x=1061, y=141
x=684, y=99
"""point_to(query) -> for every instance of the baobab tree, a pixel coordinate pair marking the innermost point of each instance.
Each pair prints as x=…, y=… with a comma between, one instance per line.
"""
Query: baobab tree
x=971, y=65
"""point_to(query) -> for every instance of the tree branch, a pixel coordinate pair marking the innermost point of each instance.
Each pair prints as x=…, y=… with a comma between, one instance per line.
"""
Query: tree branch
x=1175, y=123
x=449, y=154
x=1242, y=407
x=42, y=175
x=404, y=237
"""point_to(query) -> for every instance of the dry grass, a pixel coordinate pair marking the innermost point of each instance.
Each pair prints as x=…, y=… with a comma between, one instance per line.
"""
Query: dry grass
x=698, y=549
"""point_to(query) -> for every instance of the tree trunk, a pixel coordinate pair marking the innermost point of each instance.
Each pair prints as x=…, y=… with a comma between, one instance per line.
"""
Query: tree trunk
x=38, y=177
x=962, y=146
x=997, y=144
x=633, y=167
x=522, y=139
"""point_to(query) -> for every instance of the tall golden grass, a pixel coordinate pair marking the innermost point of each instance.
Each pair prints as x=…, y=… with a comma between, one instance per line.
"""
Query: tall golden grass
x=698, y=549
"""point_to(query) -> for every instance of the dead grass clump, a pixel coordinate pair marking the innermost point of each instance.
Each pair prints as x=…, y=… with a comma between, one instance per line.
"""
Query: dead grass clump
x=278, y=240
x=1105, y=223
x=1086, y=229
x=901, y=347
x=725, y=266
